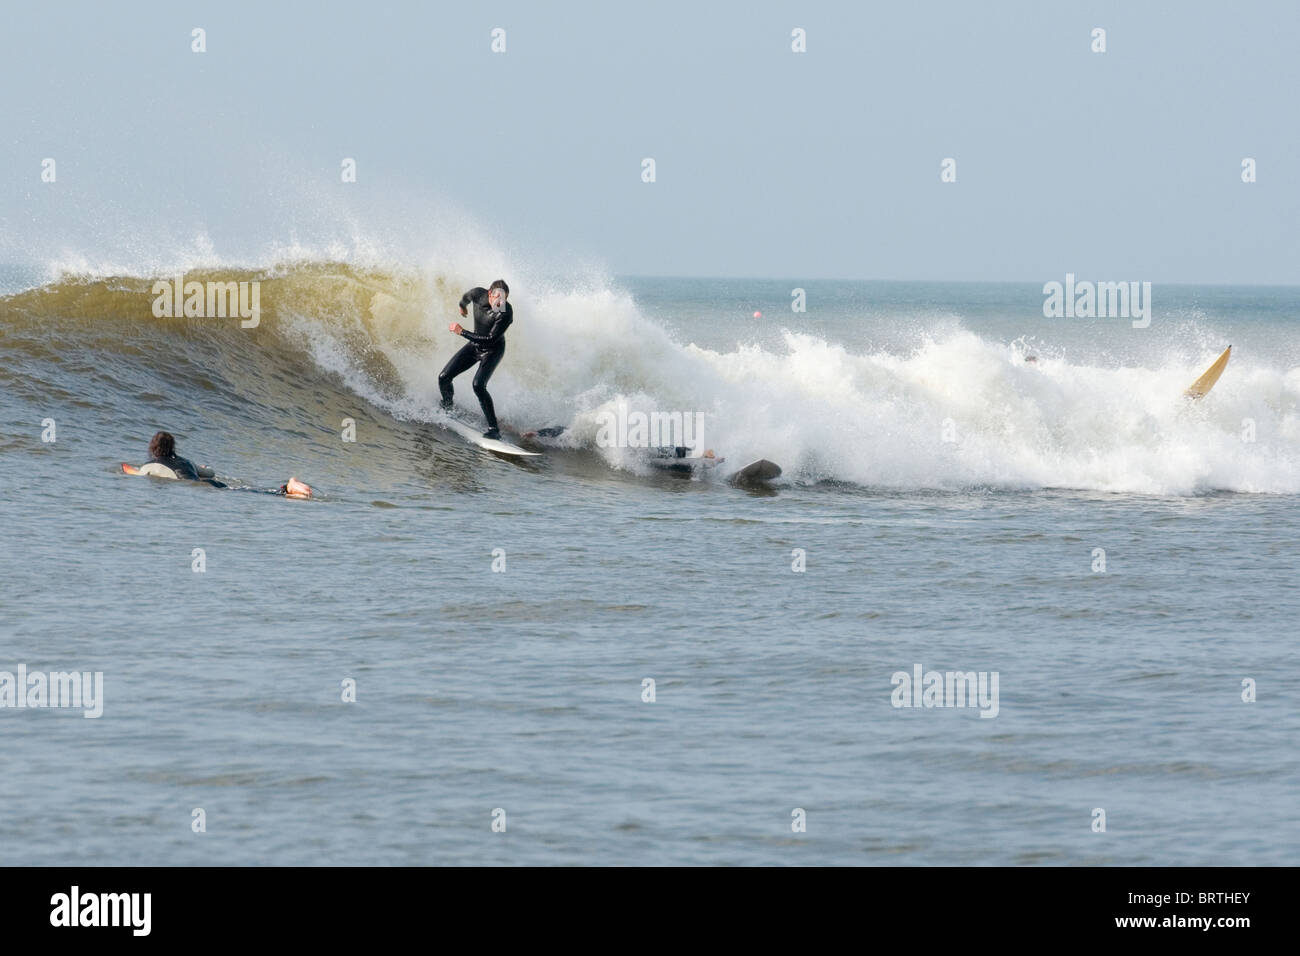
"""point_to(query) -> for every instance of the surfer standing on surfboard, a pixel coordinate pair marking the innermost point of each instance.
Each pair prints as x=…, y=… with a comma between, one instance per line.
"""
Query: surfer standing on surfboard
x=487, y=343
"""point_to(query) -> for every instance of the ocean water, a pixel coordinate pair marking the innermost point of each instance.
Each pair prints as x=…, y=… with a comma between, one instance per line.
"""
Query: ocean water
x=949, y=502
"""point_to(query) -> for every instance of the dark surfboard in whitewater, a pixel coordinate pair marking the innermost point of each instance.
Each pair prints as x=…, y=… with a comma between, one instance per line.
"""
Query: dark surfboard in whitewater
x=761, y=470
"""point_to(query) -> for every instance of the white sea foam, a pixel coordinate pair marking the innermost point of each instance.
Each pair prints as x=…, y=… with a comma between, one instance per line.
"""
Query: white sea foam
x=876, y=418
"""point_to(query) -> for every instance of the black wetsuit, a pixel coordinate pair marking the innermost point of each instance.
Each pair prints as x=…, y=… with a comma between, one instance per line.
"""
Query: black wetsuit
x=184, y=468
x=487, y=343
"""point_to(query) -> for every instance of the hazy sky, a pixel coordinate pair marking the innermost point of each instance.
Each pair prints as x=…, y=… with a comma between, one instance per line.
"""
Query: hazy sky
x=1122, y=165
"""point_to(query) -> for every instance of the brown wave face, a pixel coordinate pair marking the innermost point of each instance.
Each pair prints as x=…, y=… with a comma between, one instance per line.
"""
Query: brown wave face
x=95, y=353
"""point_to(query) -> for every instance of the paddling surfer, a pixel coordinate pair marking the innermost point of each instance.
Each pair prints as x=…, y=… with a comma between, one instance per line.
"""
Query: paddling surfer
x=165, y=463
x=162, y=455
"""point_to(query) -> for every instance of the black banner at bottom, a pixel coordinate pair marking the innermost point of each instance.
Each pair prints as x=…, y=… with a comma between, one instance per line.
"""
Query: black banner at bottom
x=335, y=905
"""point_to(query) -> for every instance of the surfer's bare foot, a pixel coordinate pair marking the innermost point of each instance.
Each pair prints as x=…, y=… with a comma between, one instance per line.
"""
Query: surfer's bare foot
x=294, y=488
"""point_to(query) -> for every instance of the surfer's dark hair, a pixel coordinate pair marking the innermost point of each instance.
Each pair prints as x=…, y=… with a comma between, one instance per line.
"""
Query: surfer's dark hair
x=500, y=284
x=162, y=445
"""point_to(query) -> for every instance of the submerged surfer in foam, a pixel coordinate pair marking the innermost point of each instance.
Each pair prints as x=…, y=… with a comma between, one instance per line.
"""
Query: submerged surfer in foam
x=487, y=344
x=165, y=463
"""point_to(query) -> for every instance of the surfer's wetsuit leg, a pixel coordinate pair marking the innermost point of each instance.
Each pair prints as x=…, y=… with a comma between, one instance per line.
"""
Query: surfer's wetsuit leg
x=487, y=364
x=460, y=362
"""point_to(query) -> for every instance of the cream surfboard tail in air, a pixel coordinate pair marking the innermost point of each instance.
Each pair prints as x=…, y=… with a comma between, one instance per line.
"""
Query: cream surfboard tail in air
x=1202, y=386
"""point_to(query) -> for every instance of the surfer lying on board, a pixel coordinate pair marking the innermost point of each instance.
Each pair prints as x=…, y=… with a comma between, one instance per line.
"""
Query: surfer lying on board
x=163, y=458
x=487, y=343
x=165, y=463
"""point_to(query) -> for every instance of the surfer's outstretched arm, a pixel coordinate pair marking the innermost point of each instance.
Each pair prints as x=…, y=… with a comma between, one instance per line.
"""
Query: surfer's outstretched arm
x=494, y=337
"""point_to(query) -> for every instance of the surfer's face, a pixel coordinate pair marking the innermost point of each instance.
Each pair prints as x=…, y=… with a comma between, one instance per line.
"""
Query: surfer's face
x=497, y=299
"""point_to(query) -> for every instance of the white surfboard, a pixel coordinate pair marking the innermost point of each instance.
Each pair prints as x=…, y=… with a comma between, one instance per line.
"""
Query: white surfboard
x=490, y=444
